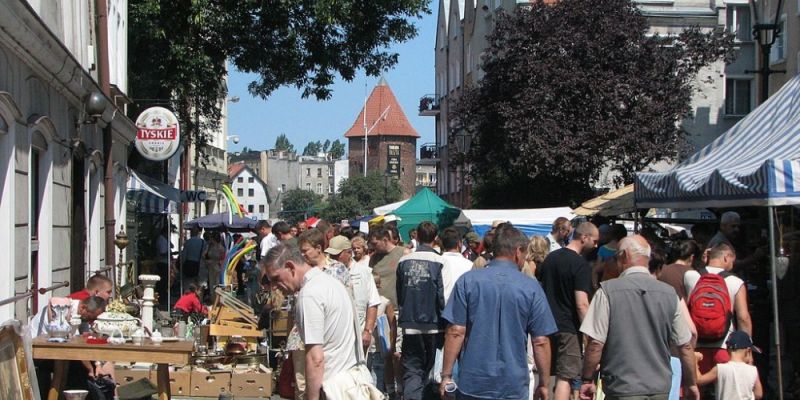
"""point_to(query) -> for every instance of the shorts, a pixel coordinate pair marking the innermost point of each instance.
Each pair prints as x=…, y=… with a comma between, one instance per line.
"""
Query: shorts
x=712, y=357
x=567, y=359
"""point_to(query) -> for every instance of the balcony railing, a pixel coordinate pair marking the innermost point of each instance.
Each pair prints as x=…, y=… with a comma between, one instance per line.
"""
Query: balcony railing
x=428, y=105
x=428, y=151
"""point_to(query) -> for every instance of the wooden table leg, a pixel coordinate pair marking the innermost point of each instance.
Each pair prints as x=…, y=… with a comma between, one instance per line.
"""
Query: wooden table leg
x=59, y=379
x=163, y=382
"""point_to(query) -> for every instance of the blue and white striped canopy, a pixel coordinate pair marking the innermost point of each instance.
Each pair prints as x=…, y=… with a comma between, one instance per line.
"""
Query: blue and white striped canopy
x=150, y=196
x=755, y=163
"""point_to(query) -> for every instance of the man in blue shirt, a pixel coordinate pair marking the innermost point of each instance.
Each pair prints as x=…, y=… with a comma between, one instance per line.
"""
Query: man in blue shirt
x=498, y=307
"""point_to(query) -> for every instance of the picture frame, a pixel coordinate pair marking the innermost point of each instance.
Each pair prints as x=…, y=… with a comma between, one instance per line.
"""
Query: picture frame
x=15, y=382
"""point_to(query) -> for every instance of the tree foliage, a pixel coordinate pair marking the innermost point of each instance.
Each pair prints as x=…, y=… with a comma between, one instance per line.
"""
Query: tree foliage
x=358, y=195
x=333, y=149
x=298, y=204
x=179, y=49
x=282, y=143
x=573, y=88
x=337, y=150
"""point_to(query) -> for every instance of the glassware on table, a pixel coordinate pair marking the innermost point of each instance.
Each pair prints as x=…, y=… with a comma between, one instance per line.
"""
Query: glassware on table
x=59, y=327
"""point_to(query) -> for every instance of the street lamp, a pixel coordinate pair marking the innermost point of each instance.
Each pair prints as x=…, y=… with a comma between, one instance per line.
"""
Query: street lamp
x=766, y=33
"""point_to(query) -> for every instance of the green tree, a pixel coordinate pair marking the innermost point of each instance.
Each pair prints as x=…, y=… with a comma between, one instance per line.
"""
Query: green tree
x=572, y=88
x=282, y=143
x=312, y=148
x=358, y=195
x=181, y=48
x=337, y=150
x=298, y=204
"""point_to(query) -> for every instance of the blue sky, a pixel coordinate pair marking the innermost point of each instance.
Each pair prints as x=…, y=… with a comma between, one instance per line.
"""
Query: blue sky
x=258, y=122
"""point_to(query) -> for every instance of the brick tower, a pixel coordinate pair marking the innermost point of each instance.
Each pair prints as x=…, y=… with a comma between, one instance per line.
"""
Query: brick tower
x=391, y=140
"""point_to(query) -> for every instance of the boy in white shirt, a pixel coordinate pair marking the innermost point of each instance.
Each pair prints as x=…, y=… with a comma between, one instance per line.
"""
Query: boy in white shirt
x=738, y=378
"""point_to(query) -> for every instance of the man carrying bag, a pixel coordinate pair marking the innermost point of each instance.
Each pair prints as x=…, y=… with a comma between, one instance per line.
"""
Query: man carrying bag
x=327, y=323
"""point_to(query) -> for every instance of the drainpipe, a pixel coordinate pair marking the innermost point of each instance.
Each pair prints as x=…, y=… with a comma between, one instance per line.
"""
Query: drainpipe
x=108, y=154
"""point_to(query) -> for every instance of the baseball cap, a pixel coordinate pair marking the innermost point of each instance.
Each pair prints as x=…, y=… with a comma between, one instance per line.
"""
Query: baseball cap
x=498, y=222
x=741, y=340
x=472, y=237
x=337, y=245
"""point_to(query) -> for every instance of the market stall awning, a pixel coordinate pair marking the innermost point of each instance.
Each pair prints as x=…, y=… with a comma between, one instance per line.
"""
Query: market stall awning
x=531, y=221
x=388, y=208
x=611, y=204
x=222, y=222
x=150, y=196
x=424, y=206
x=755, y=163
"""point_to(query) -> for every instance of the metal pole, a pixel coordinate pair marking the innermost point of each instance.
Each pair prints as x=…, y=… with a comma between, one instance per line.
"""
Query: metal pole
x=775, y=317
x=366, y=132
x=766, y=49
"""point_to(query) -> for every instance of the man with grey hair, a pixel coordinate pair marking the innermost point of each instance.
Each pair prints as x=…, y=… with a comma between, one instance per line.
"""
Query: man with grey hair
x=557, y=238
x=323, y=312
x=729, y=230
x=631, y=323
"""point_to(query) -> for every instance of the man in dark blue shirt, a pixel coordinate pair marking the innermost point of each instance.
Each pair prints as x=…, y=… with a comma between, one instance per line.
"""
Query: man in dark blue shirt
x=498, y=307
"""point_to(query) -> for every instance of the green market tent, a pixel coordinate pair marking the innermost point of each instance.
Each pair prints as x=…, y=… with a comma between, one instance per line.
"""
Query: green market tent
x=424, y=206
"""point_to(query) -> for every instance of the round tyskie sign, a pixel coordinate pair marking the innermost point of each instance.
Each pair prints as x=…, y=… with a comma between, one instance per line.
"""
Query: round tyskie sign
x=157, y=133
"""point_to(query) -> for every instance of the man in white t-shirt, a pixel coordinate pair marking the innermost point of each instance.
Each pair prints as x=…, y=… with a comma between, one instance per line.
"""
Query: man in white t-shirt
x=721, y=259
x=557, y=238
x=365, y=293
x=324, y=315
x=456, y=264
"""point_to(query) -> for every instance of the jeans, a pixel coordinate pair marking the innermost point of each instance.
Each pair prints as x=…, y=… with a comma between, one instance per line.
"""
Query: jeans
x=419, y=354
x=375, y=363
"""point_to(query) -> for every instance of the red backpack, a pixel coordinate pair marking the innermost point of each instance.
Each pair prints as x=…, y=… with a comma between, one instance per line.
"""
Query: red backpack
x=710, y=306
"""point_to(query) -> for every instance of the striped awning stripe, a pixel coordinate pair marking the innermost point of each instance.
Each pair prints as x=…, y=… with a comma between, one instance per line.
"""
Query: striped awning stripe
x=757, y=162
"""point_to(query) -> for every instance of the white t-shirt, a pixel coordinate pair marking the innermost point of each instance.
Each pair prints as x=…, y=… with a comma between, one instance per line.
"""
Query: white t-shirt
x=325, y=316
x=365, y=293
x=733, y=282
x=364, y=262
x=268, y=242
x=554, y=245
x=455, y=266
x=736, y=380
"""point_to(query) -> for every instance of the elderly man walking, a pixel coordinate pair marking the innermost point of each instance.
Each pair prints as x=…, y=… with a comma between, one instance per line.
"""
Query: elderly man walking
x=631, y=323
x=492, y=313
x=324, y=315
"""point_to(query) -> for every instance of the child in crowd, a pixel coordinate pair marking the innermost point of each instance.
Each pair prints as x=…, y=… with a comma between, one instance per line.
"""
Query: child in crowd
x=190, y=301
x=738, y=378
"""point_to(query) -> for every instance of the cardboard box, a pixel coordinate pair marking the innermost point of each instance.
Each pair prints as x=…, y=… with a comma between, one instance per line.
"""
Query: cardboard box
x=251, y=384
x=180, y=382
x=210, y=384
x=124, y=376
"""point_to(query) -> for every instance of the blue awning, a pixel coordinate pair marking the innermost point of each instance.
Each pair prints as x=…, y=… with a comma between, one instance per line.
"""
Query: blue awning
x=755, y=163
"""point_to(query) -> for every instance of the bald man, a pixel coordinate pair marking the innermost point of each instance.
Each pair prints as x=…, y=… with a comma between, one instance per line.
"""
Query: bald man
x=631, y=323
x=567, y=282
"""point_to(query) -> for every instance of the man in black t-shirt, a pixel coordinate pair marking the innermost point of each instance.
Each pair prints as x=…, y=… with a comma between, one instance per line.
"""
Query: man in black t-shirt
x=567, y=282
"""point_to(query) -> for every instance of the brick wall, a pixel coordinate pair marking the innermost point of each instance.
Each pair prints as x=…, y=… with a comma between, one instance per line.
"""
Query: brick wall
x=377, y=158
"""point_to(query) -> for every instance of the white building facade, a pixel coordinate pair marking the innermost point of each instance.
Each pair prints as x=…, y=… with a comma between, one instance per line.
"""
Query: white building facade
x=52, y=161
x=251, y=191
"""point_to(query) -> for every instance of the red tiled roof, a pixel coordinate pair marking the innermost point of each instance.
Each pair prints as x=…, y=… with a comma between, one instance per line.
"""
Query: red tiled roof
x=393, y=123
x=235, y=169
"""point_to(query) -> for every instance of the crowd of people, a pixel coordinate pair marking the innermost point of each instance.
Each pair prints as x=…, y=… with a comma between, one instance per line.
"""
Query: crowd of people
x=594, y=308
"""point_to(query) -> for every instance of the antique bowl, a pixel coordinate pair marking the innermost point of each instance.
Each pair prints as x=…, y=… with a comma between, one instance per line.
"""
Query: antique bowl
x=107, y=322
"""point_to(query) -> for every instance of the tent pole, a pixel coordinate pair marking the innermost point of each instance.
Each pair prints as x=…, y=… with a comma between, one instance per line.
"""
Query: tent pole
x=775, y=318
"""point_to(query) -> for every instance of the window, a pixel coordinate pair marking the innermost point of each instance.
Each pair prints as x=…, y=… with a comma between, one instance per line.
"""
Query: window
x=737, y=96
x=240, y=179
x=330, y=189
x=330, y=171
x=308, y=186
x=240, y=192
x=251, y=179
x=319, y=188
x=251, y=192
x=261, y=208
x=739, y=22
x=250, y=208
x=778, y=53
x=36, y=200
x=319, y=172
x=282, y=188
x=308, y=171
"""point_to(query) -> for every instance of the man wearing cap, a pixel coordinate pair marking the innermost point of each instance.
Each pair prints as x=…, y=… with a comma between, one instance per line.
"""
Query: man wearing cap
x=365, y=293
x=420, y=296
x=631, y=323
